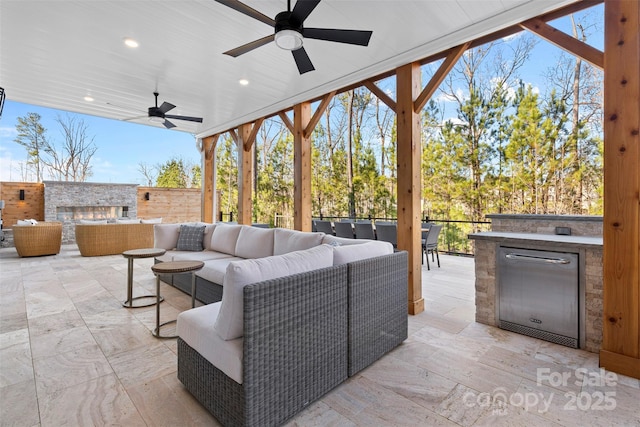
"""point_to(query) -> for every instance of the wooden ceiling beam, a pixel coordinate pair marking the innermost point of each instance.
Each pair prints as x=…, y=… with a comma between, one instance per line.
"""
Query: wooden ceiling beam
x=234, y=136
x=308, y=130
x=209, y=145
x=439, y=76
x=382, y=96
x=286, y=120
x=565, y=41
x=254, y=132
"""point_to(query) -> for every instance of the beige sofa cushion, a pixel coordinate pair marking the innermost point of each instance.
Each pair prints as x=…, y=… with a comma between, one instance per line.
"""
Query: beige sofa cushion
x=215, y=269
x=285, y=241
x=254, y=242
x=225, y=237
x=370, y=249
x=127, y=221
x=165, y=236
x=208, y=234
x=151, y=221
x=229, y=323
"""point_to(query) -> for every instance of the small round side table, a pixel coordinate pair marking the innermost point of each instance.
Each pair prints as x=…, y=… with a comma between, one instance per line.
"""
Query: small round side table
x=131, y=255
x=174, y=267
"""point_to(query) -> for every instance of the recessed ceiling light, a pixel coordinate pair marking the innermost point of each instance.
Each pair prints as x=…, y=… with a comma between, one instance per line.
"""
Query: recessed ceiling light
x=243, y=82
x=130, y=42
x=88, y=98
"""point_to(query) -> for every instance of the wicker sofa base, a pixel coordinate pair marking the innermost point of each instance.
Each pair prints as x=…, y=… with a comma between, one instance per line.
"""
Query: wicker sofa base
x=378, y=320
x=295, y=350
x=303, y=336
x=218, y=393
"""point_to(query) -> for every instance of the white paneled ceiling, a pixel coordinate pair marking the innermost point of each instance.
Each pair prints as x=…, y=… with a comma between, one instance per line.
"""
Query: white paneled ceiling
x=53, y=53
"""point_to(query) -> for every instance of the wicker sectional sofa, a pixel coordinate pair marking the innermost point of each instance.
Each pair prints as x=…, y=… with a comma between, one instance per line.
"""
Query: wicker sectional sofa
x=299, y=314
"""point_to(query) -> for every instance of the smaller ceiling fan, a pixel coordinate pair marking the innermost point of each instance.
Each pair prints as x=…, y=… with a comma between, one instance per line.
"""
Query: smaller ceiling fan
x=158, y=114
x=290, y=32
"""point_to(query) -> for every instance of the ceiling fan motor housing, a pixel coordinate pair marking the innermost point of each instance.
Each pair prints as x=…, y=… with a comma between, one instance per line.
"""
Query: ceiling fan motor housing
x=155, y=112
x=286, y=21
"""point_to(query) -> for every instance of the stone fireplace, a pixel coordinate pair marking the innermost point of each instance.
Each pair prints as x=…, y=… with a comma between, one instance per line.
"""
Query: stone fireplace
x=560, y=233
x=70, y=202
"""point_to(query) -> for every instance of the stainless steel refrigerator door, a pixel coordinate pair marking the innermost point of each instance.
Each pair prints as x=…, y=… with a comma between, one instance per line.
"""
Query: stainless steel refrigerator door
x=539, y=289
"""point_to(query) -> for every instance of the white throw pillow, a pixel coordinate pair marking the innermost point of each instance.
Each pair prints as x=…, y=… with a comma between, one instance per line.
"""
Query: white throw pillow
x=127, y=221
x=229, y=324
x=285, y=241
x=165, y=236
x=151, y=221
x=254, y=242
x=225, y=237
x=350, y=253
x=24, y=222
x=92, y=221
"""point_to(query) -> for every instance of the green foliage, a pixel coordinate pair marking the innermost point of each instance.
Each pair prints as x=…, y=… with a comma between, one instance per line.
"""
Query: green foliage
x=507, y=149
x=32, y=136
x=176, y=174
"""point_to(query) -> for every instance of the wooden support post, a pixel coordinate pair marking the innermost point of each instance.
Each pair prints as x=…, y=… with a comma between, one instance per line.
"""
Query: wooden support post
x=409, y=149
x=301, y=168
x=621, y=293
x=245, y=174
x=208, y=211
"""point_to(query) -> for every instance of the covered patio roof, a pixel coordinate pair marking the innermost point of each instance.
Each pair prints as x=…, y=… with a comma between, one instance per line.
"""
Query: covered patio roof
x=55, y=53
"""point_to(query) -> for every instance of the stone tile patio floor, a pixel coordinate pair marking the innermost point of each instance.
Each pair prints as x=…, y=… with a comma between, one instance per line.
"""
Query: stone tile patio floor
x=70, y=354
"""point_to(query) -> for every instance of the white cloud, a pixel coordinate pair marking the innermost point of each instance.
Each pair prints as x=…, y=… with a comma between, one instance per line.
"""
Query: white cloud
x=512, y=37
x=10, y=169
x=445, y=97
x=455, y=121
x=8, y=132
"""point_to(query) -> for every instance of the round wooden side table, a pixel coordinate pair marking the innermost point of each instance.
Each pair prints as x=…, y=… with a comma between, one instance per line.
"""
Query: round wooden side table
x=174, y=267
x=131, y=255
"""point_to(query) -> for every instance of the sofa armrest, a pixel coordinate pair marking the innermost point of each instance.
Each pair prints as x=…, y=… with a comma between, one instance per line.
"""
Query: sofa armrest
x=295, y=342
x=377, y=307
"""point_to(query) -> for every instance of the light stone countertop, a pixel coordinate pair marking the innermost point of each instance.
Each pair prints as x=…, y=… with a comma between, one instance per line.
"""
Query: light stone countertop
x=588, y=241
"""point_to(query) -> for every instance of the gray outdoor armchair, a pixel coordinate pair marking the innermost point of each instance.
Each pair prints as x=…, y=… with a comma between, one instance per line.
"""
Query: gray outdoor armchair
x=387, y=233
x=431, y=243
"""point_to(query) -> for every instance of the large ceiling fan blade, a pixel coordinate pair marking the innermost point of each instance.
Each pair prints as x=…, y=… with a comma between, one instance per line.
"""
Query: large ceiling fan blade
x=341, y=36
x=243, y=8
x=303, y=9
x=166, y=106
x=302, y=60
x=250, y=46
x=188, y=118
x=168, y=124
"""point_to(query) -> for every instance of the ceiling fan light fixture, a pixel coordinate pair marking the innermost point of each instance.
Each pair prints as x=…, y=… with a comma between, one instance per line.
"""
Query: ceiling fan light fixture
x=288, y=39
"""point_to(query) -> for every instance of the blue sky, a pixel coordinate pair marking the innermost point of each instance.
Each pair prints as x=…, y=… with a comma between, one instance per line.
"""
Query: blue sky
x=122, y=146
